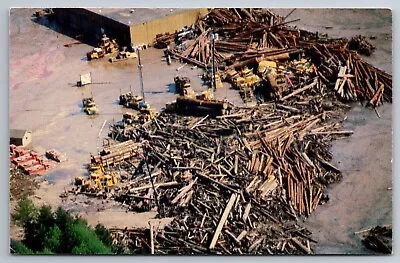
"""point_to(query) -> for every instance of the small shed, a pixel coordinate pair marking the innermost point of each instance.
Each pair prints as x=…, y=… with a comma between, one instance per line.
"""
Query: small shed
x=20, y=137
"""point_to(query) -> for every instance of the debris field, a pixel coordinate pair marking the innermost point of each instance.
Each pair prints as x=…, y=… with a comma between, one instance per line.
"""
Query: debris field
x=237, y=180
x=238, y=183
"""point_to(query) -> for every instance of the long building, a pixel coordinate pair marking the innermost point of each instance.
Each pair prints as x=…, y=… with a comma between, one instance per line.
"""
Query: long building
x=131, y=26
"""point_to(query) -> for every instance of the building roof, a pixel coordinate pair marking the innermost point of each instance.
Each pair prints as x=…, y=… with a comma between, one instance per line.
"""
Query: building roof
x=15, y=133
x=135, y=16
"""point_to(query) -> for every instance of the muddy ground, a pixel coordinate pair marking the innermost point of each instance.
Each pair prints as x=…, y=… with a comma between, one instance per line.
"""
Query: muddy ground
x=44, y=99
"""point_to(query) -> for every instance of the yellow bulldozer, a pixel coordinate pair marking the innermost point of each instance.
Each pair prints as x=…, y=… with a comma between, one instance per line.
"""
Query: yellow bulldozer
x=146, y=114
x=106, y=46
x=250, y=78
x=266, y=67
x=96, y=181
x=89, y=106
x=129, y=118
x=135, y=102
x=206, y=95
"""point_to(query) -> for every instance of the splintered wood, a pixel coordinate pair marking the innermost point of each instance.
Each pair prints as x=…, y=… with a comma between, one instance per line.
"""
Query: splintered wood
x=249, y=36
x=237, y=184
x=234, y=184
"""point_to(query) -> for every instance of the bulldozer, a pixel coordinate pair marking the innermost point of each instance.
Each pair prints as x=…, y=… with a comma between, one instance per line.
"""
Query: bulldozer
x=135, y=102
x=123, y=55
x=250, y=79
x=96, y=181
x=206, y=95
x=235, y=79
x=89, y=106
x=129, y=118
x=266, y=67
x=181, y=84
x=106, y=46
x=146, y=114
x=96, y=53
x=124, y=98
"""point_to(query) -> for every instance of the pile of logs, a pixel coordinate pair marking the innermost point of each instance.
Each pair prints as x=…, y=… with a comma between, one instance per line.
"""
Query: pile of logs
x=235, y=184
x=360, y=44
x=247, y=36
x=379, y=239
x=238, y=183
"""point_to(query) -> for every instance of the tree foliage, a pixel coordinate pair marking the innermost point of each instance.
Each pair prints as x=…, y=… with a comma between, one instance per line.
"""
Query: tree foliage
x=59, y=232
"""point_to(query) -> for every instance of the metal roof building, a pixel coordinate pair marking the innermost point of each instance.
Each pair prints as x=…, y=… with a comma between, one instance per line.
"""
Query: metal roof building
x=20, y=137
x=130, y=25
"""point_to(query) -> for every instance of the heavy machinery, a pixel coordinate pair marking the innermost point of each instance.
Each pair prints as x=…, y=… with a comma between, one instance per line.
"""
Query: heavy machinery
x=218, y=81
x=266, y=67
x=89, y=106
x=106, y=46
x=123, y=55
x=251, y=79
x=124, y=98
x=181, y=84
x=235, y=79
x=135, y=102
x=129, y=118
x=206, y=95
x=96, y=181
x=96, y=53
x=146, y=114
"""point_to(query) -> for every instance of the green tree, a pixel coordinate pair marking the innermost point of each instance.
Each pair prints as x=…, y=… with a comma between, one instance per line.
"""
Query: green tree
x=103, y=234
x=20, y=248
x=46, y=232
x=24, y=212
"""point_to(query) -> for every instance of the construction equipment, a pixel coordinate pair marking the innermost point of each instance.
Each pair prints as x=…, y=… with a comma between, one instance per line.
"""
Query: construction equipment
x=89, y=106
x=136, y=102
x=123, y=55
x=218, y=81
x=129, y=118
x=106, y=46
x=182, y=84
x=146, y=114
x=266, y=67
x=96, y=53
x=250, y=77
x=206, y=95
x=124, y=98
x=97, y=179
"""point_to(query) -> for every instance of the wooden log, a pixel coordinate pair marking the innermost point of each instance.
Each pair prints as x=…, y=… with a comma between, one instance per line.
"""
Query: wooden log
x=241, y=235
x=301, y=246
x=151, y=237
x=183, y=191
x=347, y=133
x=301, y=90
x=218, y=183
x=168, y=184
x=223, y=220
x=246, y=212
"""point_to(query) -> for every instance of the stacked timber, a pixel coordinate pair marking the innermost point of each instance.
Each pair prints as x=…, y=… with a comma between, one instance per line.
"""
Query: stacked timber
x=115, y=154
x=248, y=36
